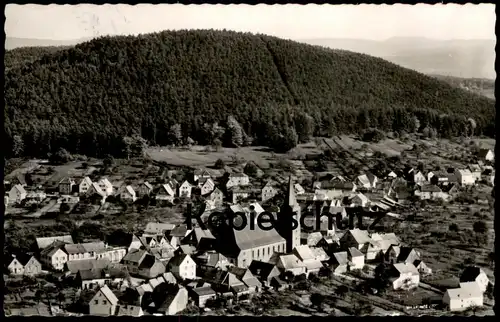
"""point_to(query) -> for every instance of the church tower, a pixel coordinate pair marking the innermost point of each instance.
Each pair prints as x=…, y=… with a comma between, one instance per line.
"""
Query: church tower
x=291, y=209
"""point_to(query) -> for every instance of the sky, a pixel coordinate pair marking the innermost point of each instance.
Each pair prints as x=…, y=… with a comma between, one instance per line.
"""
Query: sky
x=376, y=22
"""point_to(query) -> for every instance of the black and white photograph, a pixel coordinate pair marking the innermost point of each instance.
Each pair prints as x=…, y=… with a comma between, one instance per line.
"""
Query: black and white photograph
x=249, y=160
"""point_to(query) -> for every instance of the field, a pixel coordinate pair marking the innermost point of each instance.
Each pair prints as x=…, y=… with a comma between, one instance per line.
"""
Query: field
x=199, y=156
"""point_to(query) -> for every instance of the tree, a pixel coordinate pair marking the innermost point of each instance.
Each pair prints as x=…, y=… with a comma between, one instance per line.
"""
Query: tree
x=108, y=161
x=304, y=127
x=414, y=124
x=373, y=135
x=236, y=133
x=61, y=298
x=17, y=145
x=251, y=169
x=341, y=291
x=481, y=231
x=220, y=164
x=453, y=227
x=175, y=134
x=285, y=141
x=382, y=276
x=471, y=126
x=61, y=156
x=317, y=300
x=38, y=296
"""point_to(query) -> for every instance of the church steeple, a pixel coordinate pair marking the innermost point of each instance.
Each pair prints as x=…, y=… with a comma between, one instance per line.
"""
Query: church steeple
x=291, y=200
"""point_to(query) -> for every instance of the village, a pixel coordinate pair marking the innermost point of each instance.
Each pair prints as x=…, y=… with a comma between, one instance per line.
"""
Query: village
x=355, y=250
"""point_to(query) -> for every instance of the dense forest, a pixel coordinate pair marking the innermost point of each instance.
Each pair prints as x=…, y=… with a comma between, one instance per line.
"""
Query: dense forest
x=218, y=87
x=481, y=86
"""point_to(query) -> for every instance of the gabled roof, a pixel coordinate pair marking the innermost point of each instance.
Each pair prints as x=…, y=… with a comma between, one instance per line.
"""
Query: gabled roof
x=67, y=180
x=354, y=252
x=430, y=188
x=340, y=258
x=148, y=262
x=87, y=264
x=179, y=231
x=291, y=261
x=97, y=189
x=177, y=260
x=250, y=238
x=86, y=180
x=135, y=256
x=304, y=253
x=19, y=188
x=470, y=274
x=158, y=227
x=404, y=268
x=130, y=190
x=360, y=236
x=202, y=233
x=109, y=294
x=483, y=152
x=168, y=189
x=43, y=242
x=238, y=175
x=404, y=253
x=204, y=291
x=262, y=269
x=465, y=172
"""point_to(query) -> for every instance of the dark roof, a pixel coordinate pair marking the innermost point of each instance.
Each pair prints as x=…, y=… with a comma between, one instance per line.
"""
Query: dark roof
x=483, y=152
x=22, y=258
x=179, y=231
x=147, y=262
x=404, y=253
x=202, y=291
x=261, y=269
x=177, y=260
x=470, y=274
x=130, y=297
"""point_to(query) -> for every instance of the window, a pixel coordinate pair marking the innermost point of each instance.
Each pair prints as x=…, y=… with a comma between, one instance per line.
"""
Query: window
x=268, y=250
x=253, y=254
x=258, y=252
x=96, y=302
x=104, y=302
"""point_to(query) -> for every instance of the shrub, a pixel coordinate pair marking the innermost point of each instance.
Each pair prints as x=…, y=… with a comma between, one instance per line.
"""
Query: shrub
x=220, y=164
x=373, y=135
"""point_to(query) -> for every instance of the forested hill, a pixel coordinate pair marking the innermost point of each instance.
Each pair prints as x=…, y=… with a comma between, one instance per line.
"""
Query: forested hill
x=169, y=86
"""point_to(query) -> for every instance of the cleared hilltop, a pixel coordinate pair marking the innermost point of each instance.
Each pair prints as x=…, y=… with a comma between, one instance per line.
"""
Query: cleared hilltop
x=88, y=97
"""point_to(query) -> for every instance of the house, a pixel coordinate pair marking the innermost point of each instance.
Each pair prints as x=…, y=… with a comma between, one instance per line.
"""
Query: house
x=311, y=239
x=299, y=190
x=476, y=171
x=212, y=259
x=239, y=194
x=306, y=255
x=96, y=194
x=185, y=190
x=422, y=268
x=84, y=186
x=83, y=251
x=173, y=301
x=103, y=303
x=391, y=255
x=182, y=266
x=268, y=192
x=145, y=189
x=385, y=241
x=17, y=194
x=201, y=175
x=87, y=264
x=133, y=259
x=106, y=186
x=289, y=263
x=158, y=228
x=201, y=238
x=24, y=265
x=358, y=200
x=408, y=255
x=44, y=242
x=237, y=179
x=486, y=155
x=53, y=256
x=355, y=238
x=217, y=197
x=185, y=250
x=68, y=199
x=125, y=240
x=475, y=274
x=419, y=178
x=320, y=254
x=430, y=192
x=356, y=258
x=339, y=263
x=90, y=279
x=35, y=197
x=165, y=192
x=467, y=295
x=391, y=175
x=207, y=187
x=65, y=186
x=265, y=272
x=113, y=254
x=128, y=194
x=246, y=276
x=150, y=267
x=367, y=181
x=203, y=294
x=129, y=304
x=465, y=177
x=404, y=276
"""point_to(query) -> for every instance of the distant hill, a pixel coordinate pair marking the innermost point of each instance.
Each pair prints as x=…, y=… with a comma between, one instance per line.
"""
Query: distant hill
x=458, y=58
x=479, y=86
x=13, y=42
x=173, y=85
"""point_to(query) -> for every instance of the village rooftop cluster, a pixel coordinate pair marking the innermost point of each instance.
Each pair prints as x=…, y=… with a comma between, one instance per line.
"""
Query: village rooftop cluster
x=167, y=267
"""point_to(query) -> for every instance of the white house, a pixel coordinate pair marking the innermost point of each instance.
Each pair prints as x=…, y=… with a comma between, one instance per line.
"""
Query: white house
x=54, y=257
x=182, y=266
x=475, y=274
x=200, y=175
x=359, y=199
x=84, y=185
x=128, y=194
x=291, y=263
x=419, y=178
x=185, y=190
x=486, y=154
x=145, y=189
x=299, y=190
x=106, y=186
x=17, y=194
x=237, y=179
x=103, y=303
x=217, y=197
x=268, y=192
x=465, y=177
x=207, y=187
x=165, y=192
x=367, y=181
x=306, y=255
x=405, y=276
x=460, y=299
x=356, y=258
x=476, y=171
